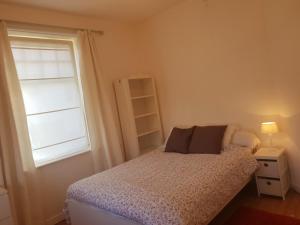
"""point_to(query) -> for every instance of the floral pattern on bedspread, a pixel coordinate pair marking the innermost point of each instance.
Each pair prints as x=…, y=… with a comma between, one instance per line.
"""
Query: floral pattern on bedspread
x=168, y=188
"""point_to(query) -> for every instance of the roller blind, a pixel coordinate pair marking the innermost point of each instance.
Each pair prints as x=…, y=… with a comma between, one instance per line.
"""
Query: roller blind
x=52, y=97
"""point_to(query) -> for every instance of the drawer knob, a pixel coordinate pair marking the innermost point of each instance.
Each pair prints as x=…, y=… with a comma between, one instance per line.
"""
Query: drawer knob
x=266, y=164
x=269, y=183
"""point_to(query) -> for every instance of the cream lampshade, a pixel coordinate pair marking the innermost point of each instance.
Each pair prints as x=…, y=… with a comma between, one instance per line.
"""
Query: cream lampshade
x=269, y=128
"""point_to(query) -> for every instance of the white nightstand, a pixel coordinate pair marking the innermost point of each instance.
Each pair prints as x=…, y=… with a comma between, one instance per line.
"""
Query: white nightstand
x=272, y=177
x=5, y=214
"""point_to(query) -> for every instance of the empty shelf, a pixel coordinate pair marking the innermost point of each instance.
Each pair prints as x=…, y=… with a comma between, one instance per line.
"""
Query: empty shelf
x=143, y=96
x=145, y=115
x=148, y=132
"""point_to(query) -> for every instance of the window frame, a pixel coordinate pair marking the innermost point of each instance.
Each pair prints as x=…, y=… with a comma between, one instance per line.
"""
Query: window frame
x=72, y=42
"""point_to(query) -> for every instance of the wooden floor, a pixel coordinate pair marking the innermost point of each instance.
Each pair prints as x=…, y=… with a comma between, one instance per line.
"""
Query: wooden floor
x=248, y=197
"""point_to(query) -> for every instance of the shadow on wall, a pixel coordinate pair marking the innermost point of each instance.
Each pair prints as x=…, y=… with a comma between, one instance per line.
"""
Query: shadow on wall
x=291, y=127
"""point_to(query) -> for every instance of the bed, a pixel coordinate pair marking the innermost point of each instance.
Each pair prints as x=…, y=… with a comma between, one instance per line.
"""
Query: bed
x=161, y=188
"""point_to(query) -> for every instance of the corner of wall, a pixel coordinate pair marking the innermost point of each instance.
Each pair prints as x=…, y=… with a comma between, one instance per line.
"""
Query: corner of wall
x=296, y=187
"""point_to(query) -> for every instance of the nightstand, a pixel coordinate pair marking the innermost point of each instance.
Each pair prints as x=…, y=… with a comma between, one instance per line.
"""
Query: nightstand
x=5, y=214
x=272, y=177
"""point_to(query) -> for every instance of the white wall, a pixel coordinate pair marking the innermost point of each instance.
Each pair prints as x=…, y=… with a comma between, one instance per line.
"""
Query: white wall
x=228, y=62
x=119, y=57
x=282, y=20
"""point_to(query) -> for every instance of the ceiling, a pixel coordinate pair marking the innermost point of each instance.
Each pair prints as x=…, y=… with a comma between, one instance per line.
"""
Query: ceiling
x=130, y=10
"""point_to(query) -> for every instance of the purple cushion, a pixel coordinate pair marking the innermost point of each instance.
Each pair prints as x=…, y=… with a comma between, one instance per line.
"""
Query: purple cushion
x=179, y=140
x=207, y=140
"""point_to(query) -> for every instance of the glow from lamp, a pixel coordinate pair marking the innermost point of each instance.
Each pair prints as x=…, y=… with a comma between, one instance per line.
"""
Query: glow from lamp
x=269, y=128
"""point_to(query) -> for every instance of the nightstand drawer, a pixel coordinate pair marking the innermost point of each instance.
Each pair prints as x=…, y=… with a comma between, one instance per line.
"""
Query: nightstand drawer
x=269, y=186
x=268, y=168
x=4, y=207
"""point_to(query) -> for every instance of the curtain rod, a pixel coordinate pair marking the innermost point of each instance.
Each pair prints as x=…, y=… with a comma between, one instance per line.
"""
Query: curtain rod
x=30, y=25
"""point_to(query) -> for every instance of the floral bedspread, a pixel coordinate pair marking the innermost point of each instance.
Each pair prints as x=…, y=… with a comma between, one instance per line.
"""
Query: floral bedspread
x=162, y=188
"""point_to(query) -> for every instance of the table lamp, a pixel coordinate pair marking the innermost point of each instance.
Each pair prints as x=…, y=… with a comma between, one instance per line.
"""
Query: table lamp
x=269, y=128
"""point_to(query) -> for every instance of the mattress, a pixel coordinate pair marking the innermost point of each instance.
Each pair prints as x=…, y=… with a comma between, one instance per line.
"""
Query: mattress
x=162, y=188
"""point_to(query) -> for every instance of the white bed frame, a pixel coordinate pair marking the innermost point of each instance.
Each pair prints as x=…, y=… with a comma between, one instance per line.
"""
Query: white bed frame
x=84, y=214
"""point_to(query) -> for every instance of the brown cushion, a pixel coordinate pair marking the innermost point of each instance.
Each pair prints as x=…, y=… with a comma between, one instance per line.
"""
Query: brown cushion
x=179, y=140
x=207, y=140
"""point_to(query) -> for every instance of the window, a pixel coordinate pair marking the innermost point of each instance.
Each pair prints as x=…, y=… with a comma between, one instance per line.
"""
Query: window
x=52, y=97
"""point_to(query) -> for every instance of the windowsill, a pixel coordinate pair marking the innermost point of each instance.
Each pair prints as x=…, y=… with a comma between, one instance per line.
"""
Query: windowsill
x=45, y=163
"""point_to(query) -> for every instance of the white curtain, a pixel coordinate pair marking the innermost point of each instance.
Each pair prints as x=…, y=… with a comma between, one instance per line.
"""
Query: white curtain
x=21, y=176
x=106, y=146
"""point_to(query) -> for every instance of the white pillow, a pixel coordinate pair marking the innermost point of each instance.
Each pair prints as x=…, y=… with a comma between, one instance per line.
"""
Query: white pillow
x=228, y=135
x=246, y=139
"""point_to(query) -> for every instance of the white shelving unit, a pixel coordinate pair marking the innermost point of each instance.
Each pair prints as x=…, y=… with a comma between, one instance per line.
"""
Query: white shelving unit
x=139, y=115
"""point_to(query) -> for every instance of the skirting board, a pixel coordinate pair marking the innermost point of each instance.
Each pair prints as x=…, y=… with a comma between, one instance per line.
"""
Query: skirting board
x=55, y=219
